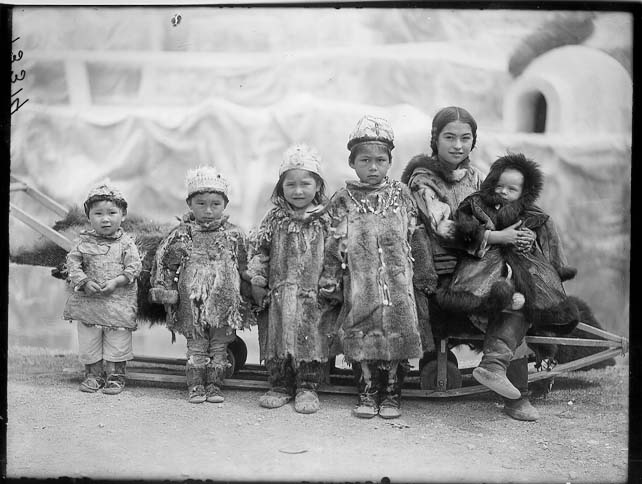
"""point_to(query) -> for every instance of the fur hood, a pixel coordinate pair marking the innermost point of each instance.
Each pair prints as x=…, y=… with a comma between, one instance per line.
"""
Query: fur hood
x=533, y=176
x=434, y=164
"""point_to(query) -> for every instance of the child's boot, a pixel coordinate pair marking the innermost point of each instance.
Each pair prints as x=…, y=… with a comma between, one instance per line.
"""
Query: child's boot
x=195, y=376
x=215, y=376
x=520, y=409
x=308, y=376
x=390, y=394
x=94, y=379
x=503, y=336
x=367, y=375
x=281, y=380
x=115, y=377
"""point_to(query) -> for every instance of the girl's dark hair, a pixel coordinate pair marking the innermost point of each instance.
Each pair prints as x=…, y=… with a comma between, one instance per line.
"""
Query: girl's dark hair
x=355, y=151
x=119, y=202
x=448, y=115
x=192, y=195
x=319, y=198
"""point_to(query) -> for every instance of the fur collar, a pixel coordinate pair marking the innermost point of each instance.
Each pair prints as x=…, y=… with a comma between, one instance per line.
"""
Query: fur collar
x=434, y=164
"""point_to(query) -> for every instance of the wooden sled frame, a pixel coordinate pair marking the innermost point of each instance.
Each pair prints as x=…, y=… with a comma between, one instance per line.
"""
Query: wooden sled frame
x=339, y=381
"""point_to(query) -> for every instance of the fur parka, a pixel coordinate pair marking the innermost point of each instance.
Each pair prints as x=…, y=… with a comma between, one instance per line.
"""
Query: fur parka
x=479, y=279
x=198, y=274
x=438, y=190
x=368, y=267
x=287, y=259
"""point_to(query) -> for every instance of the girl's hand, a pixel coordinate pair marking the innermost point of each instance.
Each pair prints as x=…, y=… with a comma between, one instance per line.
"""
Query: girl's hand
x=109, y=287
x=525, y=240
x=91, y=287
x=507, y=236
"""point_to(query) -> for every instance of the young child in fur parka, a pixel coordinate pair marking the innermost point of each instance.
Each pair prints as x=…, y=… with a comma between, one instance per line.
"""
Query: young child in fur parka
x=369, y=269
x=503, y=278
x=507, y=196
x=285, y=266
x=198, y=275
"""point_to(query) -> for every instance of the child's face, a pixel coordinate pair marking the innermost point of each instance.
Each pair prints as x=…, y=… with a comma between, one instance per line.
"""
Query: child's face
x=371, y=163
x=299, y=188
x=105, y=217
x=455, y=142
x=207, y=207
x=509, y=186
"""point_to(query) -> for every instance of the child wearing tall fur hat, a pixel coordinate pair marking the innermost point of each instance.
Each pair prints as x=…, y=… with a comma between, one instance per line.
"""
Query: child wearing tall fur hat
x=103, y=265
x=368, y=268
x=288, y=250
x=199, y=271
x=514, y=288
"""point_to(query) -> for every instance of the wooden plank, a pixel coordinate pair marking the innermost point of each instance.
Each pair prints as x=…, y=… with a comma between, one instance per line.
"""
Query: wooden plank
x=599, y=332
x=573, y=341
x=574, y=365
x=41, y=228
x=17, y=184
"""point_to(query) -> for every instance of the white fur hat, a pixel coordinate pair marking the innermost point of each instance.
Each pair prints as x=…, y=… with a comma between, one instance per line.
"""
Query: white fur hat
x=206, y=179
x=301, y=156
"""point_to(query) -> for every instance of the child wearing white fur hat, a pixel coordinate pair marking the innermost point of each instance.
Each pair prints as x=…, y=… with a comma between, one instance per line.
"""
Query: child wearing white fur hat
x=285, y=269
x=198, y=274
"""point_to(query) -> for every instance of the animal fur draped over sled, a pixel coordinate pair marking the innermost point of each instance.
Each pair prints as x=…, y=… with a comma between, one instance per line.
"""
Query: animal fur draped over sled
x=197, y=275
x=287, y=259
x=368, y=265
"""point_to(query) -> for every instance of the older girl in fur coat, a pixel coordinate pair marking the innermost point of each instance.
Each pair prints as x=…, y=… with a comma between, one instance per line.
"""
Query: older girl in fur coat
x=285, y=269
x=485, y=283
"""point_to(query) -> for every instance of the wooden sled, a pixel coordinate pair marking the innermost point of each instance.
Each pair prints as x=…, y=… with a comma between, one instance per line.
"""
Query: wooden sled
x=438, y=376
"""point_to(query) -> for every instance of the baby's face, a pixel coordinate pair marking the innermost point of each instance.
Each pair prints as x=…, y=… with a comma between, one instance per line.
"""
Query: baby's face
x=371, y=163
x=105, y=217
x=509, y=186
x=207, y=207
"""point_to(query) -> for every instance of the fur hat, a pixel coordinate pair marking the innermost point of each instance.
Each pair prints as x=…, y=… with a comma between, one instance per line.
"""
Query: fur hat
x=301, y=156
x=533, y=176
x=206, y=179
x=372, y=129
x=104, y=192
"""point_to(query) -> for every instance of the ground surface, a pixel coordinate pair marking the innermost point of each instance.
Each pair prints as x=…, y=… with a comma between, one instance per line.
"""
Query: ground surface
x=151, y=432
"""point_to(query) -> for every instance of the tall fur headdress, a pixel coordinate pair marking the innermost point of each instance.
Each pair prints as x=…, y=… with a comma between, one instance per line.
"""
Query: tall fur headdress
x=533, y=176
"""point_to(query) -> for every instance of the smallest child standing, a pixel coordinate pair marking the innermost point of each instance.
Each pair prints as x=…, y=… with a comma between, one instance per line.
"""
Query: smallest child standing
x=103, y=265
x=197, y=275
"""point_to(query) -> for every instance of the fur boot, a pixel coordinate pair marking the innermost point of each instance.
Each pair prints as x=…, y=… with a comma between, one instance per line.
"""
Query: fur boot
x=367, y=375
x=390, y=389
x=521, y=408
x=195, y=375
x=215, y=374
x=503, y=336
x=281, y=380
x=308, y=377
